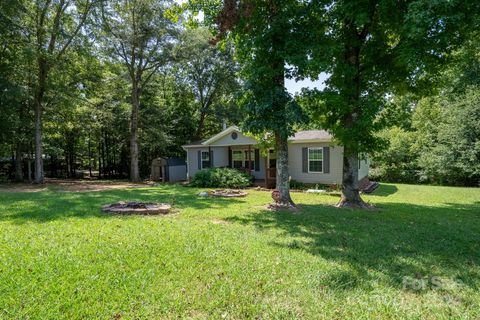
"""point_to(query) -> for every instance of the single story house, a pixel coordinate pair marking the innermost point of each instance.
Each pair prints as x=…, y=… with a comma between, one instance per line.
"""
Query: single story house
x=312, y=157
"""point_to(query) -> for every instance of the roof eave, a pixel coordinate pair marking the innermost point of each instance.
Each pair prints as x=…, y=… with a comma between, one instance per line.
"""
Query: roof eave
x=309, y=140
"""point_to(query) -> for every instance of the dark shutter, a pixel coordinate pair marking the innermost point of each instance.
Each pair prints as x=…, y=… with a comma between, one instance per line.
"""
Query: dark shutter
x=211, y=158
x=230, y=157
x=305, y=159
x=326, y=160
x=257, y=160
x=199, y=160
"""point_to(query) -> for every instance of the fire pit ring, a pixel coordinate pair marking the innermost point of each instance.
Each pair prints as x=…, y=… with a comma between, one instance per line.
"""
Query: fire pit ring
x=228, y=193
x=135, y=207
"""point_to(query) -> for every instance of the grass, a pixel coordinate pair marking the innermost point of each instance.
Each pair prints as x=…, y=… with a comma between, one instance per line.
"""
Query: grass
x=229, y=258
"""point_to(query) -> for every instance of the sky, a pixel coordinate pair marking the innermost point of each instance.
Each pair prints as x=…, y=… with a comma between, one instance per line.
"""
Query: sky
x=296, y=86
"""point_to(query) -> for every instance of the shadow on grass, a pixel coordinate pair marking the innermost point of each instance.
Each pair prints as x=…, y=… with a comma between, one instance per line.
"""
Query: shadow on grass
x=49, y=206
x=400, y=240
x=385, y=190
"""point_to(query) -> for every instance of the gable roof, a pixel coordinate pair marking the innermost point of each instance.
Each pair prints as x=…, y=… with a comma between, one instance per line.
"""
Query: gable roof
x=299, y=137
x=220, y=135
x=212, y=141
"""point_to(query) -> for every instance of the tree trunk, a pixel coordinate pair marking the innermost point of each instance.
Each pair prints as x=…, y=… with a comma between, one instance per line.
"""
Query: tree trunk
x=39, y=94
x=134, y=172
x=18, y=163
x=201, y=124
x=29, y=168
x=282, y=183
x=350, y=188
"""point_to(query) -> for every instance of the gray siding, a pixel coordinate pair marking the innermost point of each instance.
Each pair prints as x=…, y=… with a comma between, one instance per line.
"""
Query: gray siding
x=364, y=167
x=220, y=158
x=177, y=173
x=295, y=164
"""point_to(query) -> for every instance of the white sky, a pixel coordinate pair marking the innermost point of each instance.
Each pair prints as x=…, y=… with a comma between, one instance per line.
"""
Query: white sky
x=295, y=87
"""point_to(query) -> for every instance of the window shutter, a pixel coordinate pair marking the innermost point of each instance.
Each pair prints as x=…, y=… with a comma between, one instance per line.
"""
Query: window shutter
x=305, y=159
x=199, y=159
x=257, y=160
x=326, y=159
x=230, y=157
x=211, y=158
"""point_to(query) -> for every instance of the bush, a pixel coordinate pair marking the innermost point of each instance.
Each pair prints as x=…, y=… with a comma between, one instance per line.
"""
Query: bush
x=294, y=184
x=221, y=178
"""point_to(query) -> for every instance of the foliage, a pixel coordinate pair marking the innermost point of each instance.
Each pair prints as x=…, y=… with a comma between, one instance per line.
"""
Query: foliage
x=65, y=259
x=398, y=162
x=439, y=135
x=294, y=184
x=372, y=49
x=265, y=42
x=221, y=178
x=211, y=72
x=451, y=152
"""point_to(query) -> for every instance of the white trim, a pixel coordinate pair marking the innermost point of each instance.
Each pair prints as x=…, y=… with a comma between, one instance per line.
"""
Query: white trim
x=188, y=168
x=221, y=134
x=308, y=159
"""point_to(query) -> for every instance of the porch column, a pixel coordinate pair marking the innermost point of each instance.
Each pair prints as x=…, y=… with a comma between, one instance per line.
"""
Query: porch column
x=249, y=159
x=210, y=156
x=266, y=171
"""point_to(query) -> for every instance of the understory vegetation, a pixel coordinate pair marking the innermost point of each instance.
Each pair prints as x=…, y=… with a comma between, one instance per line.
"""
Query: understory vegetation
x=221, y=178
x=231, y=258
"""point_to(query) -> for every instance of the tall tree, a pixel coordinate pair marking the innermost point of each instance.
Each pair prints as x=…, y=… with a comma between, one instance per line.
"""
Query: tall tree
x=55, y=26
x=371, y=48
x=209, y=70
x=140, y=35
x=265, y=42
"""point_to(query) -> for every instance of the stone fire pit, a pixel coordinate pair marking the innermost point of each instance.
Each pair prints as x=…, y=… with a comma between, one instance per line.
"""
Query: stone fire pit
x=228, y=193
x=134, y=207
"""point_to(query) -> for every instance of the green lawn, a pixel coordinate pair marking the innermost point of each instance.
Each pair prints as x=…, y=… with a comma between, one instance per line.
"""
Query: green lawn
x=230, y=258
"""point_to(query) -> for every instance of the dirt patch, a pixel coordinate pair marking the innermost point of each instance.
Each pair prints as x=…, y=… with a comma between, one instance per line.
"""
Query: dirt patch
x=68, y=185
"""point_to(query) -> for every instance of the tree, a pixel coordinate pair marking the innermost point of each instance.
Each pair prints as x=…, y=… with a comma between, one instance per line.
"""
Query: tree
x=370, y=49
x=210, y=71
x=265, y=43
x=140, y=35
x=55, y=26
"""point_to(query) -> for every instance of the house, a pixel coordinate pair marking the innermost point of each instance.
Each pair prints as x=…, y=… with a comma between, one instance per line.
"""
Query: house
x=312, y=157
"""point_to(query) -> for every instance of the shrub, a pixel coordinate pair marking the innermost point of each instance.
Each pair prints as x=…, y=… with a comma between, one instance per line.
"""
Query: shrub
x=221, y=178
x=294, y=184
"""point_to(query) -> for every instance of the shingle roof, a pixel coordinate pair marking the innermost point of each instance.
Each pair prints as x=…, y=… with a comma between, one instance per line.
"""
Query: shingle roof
x=311, y=135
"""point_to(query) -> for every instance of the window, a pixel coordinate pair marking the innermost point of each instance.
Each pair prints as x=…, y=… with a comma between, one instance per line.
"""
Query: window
x=315, y=159
x=252, y=159
x=240, y=159
x=237, y=158
x=205, y=159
